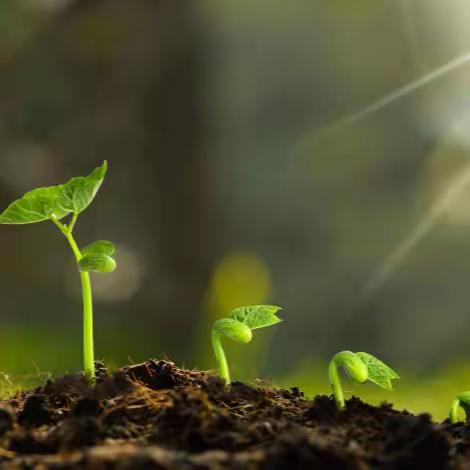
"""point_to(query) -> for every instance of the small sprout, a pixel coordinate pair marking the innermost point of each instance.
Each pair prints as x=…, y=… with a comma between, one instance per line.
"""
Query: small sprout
x=238, y=326
x=98, y=263
x=461, y=401
x=54, y=203
x=101, y=246
x=97, y=257
x=360, y=367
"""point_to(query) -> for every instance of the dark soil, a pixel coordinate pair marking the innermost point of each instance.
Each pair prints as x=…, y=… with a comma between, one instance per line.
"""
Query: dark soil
x=156, y=416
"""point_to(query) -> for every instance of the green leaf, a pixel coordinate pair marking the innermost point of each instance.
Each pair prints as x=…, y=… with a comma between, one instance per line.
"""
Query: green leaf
x=256, y=316
x=35, y=206
x=464, y=397
x=378, y=372
x=79, y=192
x=97, y=262
x=41, y=203
x=101, y=246
x=233, y=329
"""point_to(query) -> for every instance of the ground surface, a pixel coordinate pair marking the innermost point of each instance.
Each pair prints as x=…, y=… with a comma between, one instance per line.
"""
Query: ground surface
x=156, y=416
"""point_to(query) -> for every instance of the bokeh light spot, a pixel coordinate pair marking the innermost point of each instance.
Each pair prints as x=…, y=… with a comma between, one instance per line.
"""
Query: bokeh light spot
x=239, y=279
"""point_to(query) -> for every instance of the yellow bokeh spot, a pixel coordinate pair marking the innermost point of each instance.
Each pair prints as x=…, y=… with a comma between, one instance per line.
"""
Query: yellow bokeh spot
x=239, y=279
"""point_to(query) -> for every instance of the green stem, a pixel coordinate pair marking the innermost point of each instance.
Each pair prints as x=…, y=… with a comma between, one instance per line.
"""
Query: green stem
x=88, y=347
x=336, y=384
x=220, y=356
x=454, y=411
x=72, y=223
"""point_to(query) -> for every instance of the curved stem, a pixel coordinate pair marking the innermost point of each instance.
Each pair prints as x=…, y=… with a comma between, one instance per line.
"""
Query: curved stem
x=88, y=346
x=454, y=411
x=220, y=356
x=336, y=384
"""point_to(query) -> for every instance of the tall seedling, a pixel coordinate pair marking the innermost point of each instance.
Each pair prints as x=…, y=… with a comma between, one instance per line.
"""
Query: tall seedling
x=55, y=203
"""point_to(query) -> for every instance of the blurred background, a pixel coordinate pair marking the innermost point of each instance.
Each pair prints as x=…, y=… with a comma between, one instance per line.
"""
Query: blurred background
x=245, y=168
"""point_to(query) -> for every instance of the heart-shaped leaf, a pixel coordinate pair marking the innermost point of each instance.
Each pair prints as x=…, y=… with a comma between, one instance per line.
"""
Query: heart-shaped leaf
x=464, y=397
x=42, y=203
x=256, y=316
x=35, y=206
x=97, y=262
x=378, y=372
x=79, y=192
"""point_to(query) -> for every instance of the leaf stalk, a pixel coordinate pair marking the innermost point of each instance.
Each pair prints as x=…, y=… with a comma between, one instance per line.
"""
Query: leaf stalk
x=336, y=385
x=454, y=411
x=220, y=356
x=87, y=297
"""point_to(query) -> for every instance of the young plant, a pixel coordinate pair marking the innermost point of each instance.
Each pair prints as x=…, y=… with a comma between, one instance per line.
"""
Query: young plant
x=238, y=326
x=360, y=367
x=54, y=203
x=461, y=401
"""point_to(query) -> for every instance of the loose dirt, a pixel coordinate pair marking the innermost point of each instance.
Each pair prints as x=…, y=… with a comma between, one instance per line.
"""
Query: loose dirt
x=157, y=416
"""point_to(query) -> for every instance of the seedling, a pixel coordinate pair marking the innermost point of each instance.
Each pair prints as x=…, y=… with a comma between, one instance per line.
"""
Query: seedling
x=55, y=203
x=238, y=326
x=461, y=401
x=360, y=367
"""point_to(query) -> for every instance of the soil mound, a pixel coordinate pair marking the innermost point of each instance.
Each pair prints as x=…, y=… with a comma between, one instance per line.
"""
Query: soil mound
x=157, y=416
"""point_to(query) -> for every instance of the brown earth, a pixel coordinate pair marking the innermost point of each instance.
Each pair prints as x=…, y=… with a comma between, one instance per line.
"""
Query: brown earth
x=157, y=416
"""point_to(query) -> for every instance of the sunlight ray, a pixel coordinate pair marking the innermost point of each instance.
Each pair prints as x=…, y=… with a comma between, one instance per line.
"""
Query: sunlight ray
x=428, y=222
x=423, y=228
x=403, y=91
x=388, y=99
